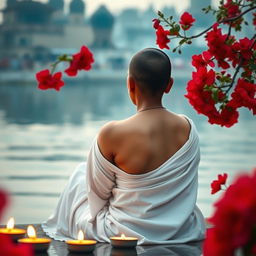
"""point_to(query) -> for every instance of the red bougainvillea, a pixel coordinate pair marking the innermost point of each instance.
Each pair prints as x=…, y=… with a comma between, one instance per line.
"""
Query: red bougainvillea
x=156, y=23
x=234, y=219
x=228, y=62
x=202, y=60
x=48, y=81
x=81, y=61
x=162, y=37
x=7, y=246
x=186, y=21
x=244, y=95
x=216, y=184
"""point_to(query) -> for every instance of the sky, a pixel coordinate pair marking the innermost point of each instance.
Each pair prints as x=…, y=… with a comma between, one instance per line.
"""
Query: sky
x=116, y=6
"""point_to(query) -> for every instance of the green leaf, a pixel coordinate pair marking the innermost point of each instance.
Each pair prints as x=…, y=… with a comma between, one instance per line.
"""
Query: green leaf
x=215, y=94
x=160, y=14
x=177, y=28
x=182, y=41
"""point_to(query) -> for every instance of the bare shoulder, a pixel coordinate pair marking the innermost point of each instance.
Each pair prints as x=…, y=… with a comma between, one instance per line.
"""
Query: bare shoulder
x=182, y=125
x=184, y=121
x=108, y=138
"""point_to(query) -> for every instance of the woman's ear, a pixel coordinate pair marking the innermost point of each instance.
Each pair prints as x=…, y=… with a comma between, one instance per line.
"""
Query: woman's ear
x=130, y=83
x=169, y=86
x=131, y=88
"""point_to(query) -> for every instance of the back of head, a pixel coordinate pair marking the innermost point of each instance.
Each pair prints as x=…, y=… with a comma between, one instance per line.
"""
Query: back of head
x=151, y=70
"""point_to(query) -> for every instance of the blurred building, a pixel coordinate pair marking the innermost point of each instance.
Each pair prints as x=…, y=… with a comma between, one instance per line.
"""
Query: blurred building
x=102, y=22
x=133, y=28
x=32, y=29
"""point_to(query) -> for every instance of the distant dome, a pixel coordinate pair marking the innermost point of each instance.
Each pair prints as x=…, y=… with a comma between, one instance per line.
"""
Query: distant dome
x=56, y=4
x=102, y=18
x=77, y=6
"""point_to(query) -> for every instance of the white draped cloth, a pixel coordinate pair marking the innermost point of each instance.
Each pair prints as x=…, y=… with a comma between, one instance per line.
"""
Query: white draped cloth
x=158, y=207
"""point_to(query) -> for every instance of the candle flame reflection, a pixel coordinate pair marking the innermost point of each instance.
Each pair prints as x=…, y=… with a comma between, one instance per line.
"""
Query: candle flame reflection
x=80, y=235
x=10, y=223
x=31, y=232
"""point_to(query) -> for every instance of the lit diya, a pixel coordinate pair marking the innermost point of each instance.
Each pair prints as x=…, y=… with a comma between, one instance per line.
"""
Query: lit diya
x=37, y=243
x=81, y=245
x=123, y=241
x=14, y=233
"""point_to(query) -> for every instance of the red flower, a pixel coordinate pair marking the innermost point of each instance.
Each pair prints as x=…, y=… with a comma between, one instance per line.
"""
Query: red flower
x=216, y=184
x=49, y=81
x=3, y=201
x=222, y=178
x=8, y=248
x=233, y=10
x=156, y=23
x=243, y=49
x=186, y=20
x=81, y=61
x=202, y=60
x=244, y=95
x=234, y=218
x=202, y=95
x=200, y=98
x=162, y=37
x=227, y=117
x=220, y=47
x=213, y=246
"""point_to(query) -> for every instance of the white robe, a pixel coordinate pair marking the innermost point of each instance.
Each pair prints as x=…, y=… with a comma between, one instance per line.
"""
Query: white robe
x=158, y=207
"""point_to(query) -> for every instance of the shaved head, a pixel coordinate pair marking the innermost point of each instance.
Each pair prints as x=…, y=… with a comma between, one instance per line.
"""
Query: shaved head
x=151, y=70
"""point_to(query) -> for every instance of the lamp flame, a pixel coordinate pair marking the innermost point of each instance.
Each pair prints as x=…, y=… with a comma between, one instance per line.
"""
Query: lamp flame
x=80, y=235
x=123, y=236
x=31, y=232
x=10, y=223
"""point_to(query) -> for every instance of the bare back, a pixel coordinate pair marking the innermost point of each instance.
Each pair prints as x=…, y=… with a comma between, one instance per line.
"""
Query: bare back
x=144, y=141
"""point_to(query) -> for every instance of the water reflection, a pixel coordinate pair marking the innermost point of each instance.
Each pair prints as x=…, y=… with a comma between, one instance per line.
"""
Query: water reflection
x=190, y=249
x=25, y=104
x=79, y=102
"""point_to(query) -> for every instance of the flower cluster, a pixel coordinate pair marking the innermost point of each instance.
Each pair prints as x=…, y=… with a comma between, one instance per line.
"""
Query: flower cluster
x=218, y=107
x=162, y=35
x=231, y=9
x=234, y=220
x=8, y=248
x=216, y=184
x=225, y=74
x=80, y=61
x=186, y=21
x=46, y=80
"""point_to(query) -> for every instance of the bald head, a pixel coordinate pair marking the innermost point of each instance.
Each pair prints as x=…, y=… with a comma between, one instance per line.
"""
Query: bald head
x=151, y=70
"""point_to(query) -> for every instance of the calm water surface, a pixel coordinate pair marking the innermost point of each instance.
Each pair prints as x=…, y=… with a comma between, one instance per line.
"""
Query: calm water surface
x=45, y=134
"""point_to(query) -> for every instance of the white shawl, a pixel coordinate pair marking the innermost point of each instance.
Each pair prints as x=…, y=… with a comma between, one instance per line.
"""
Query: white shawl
x=158, y=207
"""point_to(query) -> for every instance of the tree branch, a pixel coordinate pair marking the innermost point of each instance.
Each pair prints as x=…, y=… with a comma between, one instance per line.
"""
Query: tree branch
x=220, y=22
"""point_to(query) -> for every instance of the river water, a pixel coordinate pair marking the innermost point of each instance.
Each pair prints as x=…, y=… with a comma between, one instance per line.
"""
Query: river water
x=45, y=134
